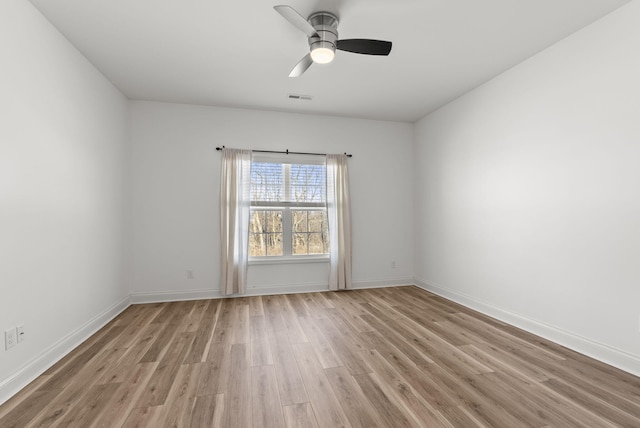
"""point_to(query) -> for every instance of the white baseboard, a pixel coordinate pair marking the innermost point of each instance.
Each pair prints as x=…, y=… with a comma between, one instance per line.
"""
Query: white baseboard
x=47, y=358
x=599, y=351
x=260, y=290
x=380, y=283
x=178, y=295
x=174, y=296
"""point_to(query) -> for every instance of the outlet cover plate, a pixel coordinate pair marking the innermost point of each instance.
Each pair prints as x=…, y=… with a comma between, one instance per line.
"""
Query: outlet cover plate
x=10, y=338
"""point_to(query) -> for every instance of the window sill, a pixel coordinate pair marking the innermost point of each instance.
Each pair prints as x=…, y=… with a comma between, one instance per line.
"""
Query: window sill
x=288, y=260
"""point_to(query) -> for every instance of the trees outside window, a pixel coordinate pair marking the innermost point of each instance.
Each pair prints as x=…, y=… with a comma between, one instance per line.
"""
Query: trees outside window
x=288, y=209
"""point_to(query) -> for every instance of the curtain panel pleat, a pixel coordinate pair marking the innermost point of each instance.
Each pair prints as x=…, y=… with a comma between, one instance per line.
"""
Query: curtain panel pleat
x=339, y=217
x=235, y=205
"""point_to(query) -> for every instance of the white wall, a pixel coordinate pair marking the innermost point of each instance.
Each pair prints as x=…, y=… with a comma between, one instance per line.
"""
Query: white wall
x=175, y=187
x=528, y=193
x=62, y=149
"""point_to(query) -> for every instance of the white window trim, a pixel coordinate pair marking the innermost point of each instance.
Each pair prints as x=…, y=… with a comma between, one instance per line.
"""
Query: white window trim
x=275, y=260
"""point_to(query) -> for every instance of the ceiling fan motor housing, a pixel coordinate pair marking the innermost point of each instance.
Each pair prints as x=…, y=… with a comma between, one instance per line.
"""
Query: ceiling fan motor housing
x=326, y=26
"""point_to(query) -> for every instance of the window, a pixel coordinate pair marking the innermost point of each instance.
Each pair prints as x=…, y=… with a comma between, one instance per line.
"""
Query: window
x=288, y=207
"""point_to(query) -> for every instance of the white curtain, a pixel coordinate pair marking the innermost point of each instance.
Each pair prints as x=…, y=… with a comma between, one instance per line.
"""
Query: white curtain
x=235, y=205
x=339, y=216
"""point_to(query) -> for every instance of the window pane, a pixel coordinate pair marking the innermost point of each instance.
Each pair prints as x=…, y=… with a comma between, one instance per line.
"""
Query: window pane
x=299, y=218
x=317, y=244
x=274, y=244
x=300, y=243
x=258, y=223
x=308, y=183
x=257, y=245
x=266, y=181
x=274, y=221
x=316, y=221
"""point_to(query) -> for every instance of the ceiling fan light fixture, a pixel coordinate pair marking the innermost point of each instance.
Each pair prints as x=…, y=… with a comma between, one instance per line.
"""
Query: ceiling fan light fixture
x=321, y=29
x=322, y=55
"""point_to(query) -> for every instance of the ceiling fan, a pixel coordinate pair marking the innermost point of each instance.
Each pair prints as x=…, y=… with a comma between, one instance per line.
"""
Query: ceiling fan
x=321, y=29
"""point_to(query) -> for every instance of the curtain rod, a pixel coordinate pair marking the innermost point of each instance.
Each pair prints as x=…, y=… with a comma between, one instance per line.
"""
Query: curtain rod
x=287, y=152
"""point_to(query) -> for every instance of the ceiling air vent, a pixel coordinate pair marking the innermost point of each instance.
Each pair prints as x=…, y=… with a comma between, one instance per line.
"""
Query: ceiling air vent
x=300, y=97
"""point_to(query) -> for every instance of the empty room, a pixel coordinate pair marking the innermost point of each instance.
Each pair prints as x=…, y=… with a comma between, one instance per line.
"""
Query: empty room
x=333, y=213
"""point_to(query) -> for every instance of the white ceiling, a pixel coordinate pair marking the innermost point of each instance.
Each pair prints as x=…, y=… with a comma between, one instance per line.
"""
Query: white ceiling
x=239, y=52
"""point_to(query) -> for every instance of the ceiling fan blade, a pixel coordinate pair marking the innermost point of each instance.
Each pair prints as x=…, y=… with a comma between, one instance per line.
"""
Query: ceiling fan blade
x=296, y=19
x=365, y=46
x=301, y=66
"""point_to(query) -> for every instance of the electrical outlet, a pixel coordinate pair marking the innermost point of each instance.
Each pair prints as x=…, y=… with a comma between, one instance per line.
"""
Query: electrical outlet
x=10, y=338
x=189, y=274
x=20, y=336
x=393, y=265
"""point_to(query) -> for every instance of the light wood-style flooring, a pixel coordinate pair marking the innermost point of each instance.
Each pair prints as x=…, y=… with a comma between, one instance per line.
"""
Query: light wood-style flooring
x=390, y=357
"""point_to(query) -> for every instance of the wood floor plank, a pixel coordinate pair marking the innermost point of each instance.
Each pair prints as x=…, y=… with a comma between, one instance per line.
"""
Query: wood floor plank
x=403, y=343
x=260, y=350
x=344, y=346
x=93, y=403
x=160, y=343
x=388, y=413
x=315, y=309
x=462, y=388
x=160, y=383
x=267, y=409
x=326, y=354
x=76, y=388
x=273, y=314
x=608, y=378
x=213, y=373
x=119, y=407
x=394, y=384
x=143, y=417
x=191, y=322
x=120, y=370
x=237, y=409
x=207, y=411
x=59, y=406
x=83, y=347
x=66, y=374
x=300, y=416
x=324, y=300
x=202, y=339
x=28, y=410
x=241, y=324
x=352, y=400
x=223, y=331
x=23, y=397
x=351, y=314
x=459, y=417
x=291, y=323
x=326, y=406
x=297, y=304
x=387, y=357
x=255, y=306
x=290, y=385
x=501, y=336
x=594, y=405
x=560, y=410
x=418, y=378
x=177, y=410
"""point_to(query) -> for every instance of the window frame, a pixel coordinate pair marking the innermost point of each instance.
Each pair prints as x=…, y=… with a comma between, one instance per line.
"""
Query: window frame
x=287, y=208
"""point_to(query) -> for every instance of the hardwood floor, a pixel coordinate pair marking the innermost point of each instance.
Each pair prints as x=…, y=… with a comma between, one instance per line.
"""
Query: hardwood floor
x=392, y=357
